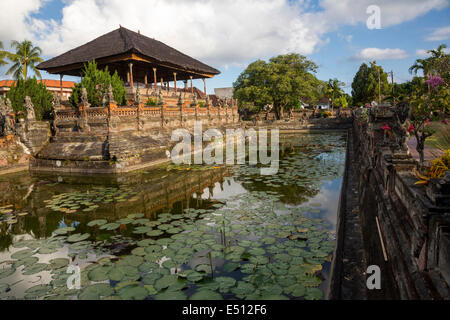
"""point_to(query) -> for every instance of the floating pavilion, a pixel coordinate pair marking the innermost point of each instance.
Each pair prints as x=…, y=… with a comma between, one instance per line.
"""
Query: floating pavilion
x=136, y=58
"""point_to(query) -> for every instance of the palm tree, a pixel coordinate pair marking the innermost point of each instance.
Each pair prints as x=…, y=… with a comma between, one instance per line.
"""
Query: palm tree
x=3, y=54
x=26, y=56
x=420, y=64
x=438, y=53
x=334, y=90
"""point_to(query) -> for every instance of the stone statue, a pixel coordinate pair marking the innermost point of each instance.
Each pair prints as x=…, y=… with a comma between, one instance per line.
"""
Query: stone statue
x=194, y=101
x=401, y=115
x=28, y=105
x=84, y=96
x=8, y=118
x=56, y=103
x=9, y=108
x=160, y=98
x=180, y=100
x=138, y=96
x=2, y=116
x=110, y=94
x=104, y=99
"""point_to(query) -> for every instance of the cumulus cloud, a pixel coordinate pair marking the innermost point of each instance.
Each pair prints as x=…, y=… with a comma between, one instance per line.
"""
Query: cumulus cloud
x=422, y=53
x=439, y=34
x=369, y=54
x=221, y=33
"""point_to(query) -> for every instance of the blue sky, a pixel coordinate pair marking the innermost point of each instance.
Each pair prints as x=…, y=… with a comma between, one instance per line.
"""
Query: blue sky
x=230, y=34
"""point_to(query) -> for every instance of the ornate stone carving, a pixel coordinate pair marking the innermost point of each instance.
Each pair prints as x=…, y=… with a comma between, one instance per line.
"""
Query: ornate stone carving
x=194, y=101
x=9, y=108
x=31, y=116
x=180, y=100
x=137, y=97
x=160, y=98
x=110, y=95
x=84, y=96
x=401, y=115
x=56, y=103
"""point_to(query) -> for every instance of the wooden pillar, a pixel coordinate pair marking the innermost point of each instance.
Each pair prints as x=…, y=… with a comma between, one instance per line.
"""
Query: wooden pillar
x=131, y=75
x=204, y=85
x=161, y=84
x=192, y=88
x=61, y=86
x=175, y=81
x=145, y=81
x=155, y=81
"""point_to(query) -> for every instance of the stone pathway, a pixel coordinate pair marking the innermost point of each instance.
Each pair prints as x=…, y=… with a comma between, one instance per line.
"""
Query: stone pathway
x=429, y=153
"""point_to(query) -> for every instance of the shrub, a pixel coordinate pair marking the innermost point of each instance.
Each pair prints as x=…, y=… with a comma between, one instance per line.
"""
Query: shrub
x=97, y=83
x=152, y=102
x=40, y=96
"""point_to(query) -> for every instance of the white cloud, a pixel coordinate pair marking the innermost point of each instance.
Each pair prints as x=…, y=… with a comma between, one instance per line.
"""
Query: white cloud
x=369, y=54
x=226, y=32
x=422, y=53
x=439, y=34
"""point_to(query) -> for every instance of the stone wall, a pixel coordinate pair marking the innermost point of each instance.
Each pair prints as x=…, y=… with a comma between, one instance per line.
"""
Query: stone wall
x=116, y=139
x=414, y=221
x=114, y=118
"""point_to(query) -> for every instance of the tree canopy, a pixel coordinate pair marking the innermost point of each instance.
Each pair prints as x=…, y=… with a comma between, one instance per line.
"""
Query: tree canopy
x=368, y=83
x=40, y=96
x=26, y=56
x=281, y=81
x=97, y=83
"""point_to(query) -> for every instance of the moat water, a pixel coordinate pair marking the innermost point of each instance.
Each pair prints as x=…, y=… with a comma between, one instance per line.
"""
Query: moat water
x=177, y=232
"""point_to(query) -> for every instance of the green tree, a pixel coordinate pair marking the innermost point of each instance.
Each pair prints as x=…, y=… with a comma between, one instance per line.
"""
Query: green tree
x=40, y=96
x=334, y=90
x=26, y=56
x=97, y=83
x=3, y=55
x=281, y=82
x=369, y=84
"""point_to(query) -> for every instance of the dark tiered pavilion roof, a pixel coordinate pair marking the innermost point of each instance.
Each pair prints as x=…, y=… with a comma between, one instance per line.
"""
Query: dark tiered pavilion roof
x=121, y=47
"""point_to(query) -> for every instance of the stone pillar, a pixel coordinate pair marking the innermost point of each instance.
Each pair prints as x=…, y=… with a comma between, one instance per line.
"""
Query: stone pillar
x=204, y=86
x=175, y=81
x=192, y=87
x=61, y=85
x=155, y=80
x=130, y=65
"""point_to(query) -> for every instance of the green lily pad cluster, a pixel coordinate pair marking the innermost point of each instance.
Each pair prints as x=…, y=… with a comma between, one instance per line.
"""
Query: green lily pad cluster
x=9, y=215
x=255, y=245
x=88, y=201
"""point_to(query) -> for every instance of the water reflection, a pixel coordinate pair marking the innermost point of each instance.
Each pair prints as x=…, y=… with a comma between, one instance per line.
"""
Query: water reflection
x=309, y=180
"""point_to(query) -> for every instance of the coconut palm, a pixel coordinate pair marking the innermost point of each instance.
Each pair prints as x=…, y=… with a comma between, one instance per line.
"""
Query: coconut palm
x=26, y=56
x=3, y=55
x=334, y=90
x=420, y=64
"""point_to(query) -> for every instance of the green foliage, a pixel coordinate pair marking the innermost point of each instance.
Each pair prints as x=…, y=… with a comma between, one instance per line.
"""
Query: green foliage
x=341, y=102
x=334, y=92
x=152, y=102
x=3, y=55
x=281, y=82
x=40, y=96
x=97, y=83
x=26, y=56
x=365, y=86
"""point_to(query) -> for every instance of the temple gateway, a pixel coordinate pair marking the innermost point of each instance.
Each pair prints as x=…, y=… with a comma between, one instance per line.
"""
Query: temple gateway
x=140, y=61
